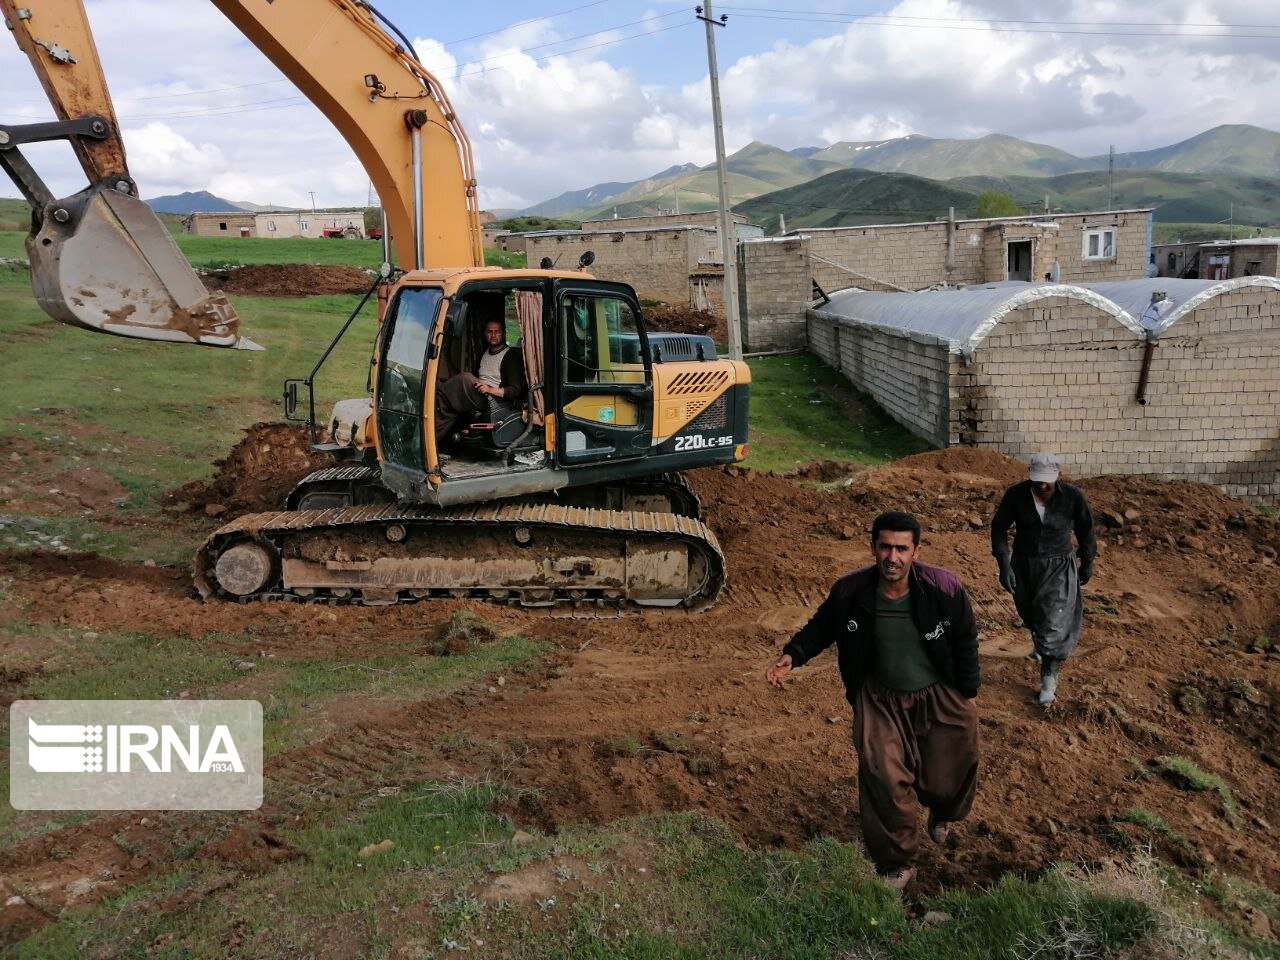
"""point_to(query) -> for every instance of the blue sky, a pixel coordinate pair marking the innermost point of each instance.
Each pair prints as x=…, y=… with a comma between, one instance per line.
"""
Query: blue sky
x=551, y=103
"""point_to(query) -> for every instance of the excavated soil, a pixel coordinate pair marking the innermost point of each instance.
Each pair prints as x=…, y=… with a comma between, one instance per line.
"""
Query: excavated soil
x=256, y=475
x=1185, y=596
x=289, y=280
x=681, y=318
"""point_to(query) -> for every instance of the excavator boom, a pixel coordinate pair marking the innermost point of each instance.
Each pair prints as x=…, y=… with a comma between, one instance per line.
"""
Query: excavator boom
x=102, y=260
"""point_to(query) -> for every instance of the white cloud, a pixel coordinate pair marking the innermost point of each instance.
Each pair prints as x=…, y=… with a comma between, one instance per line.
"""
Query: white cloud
x=543, y=122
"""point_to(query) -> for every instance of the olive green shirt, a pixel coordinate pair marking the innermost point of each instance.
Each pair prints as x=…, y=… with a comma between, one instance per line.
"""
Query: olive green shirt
x=902, y=663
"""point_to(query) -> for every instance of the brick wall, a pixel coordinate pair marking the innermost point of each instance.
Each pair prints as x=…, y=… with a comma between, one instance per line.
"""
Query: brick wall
x=657, y=263
x=909, y=374
x=913, y=255
x=774, y=290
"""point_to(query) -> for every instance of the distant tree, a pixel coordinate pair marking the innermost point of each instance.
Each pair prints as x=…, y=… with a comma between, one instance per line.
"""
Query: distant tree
x=993, y=203
x=372, y=219
x=532, y=224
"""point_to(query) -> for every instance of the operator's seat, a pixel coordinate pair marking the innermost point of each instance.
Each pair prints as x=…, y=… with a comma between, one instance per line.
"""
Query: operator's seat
x=498, y=425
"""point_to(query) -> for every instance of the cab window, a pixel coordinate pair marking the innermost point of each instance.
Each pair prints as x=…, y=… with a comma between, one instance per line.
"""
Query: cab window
x=601, y=340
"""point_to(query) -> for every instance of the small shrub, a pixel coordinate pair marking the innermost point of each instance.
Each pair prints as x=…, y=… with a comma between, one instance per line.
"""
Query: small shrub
x=1190, y=699
x=1189, y=775
x=460, y=633
x=624, y=747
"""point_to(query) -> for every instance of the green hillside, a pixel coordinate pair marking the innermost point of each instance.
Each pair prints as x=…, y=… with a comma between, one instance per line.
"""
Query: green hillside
x=852, y=197
x=1232, y=148
x=1177, y=197
x=14, y=214
x=755, y=169
x=946, y=159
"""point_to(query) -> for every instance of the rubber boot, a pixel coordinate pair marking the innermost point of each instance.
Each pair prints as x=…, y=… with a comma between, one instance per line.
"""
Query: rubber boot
x=1049, y=667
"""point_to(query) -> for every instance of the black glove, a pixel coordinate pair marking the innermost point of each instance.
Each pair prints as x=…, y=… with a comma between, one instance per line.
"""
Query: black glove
x=1086, y=571
x=1007, y=580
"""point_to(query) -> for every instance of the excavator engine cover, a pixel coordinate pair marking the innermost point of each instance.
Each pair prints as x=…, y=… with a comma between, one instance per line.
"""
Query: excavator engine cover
x=103, y=260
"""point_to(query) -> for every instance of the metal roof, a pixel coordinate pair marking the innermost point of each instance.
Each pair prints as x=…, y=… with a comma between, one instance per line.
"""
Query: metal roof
x=965, y=316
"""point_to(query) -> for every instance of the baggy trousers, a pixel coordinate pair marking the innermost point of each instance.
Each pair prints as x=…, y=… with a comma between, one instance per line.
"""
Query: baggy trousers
x=1048, y=599
x=454, y=397
x=912, y=746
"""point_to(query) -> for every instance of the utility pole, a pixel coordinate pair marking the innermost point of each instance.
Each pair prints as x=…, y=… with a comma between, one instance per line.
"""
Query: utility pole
x=728, y=241
x=1111, y=176
x=313, y=200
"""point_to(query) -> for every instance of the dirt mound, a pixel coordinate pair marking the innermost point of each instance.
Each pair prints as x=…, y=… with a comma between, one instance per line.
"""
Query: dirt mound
x=258, y=473
x=681, y=318
x=289, y=280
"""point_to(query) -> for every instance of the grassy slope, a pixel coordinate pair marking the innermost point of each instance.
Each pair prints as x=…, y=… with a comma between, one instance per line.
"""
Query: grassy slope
x=850, y=197
x=1177, y=197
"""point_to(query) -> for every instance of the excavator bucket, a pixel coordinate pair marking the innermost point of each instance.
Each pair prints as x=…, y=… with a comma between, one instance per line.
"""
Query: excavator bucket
x=102, y=260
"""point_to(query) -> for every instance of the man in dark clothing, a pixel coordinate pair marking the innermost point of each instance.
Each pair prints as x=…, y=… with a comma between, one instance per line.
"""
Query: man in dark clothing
x=499, y=372
x=907, y=647
x=1042, y=574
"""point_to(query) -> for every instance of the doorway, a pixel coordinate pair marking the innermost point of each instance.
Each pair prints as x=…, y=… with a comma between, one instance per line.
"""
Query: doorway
x=1019, y=260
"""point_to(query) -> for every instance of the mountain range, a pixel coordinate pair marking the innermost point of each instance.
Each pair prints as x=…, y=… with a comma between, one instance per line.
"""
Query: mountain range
x=1206, y=174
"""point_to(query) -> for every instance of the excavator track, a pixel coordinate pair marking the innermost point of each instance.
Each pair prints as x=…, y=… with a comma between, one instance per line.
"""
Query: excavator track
x=531, y=554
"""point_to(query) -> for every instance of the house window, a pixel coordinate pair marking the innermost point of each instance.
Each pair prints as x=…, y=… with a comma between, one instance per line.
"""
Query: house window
x=1099, y=245
x=222, y=225
x=304, y=226
x=271, y=226
x=1253, y=268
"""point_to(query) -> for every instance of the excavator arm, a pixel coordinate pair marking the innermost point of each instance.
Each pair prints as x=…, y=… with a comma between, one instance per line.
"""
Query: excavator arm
x=102, y=260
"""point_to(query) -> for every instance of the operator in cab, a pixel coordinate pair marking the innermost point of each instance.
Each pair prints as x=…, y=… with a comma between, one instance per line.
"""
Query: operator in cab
x=497, y=373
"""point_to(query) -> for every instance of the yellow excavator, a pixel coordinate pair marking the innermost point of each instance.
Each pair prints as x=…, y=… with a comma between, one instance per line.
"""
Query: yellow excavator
x=567, y=493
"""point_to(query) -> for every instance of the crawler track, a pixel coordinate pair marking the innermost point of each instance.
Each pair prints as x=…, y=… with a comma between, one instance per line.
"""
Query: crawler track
x=535, y=554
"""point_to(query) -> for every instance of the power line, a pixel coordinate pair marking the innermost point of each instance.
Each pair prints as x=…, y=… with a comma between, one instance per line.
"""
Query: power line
x=521, y=23
x=875, y=21
x=1069, y=23
x=594, y=33
x=200, y=93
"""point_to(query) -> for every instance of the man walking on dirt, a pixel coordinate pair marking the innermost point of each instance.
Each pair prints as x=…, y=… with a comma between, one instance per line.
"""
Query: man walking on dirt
x=907, y=646
x=1041, y=574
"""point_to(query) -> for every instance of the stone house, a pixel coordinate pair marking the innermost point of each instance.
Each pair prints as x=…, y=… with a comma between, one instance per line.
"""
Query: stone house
x=1227, y=259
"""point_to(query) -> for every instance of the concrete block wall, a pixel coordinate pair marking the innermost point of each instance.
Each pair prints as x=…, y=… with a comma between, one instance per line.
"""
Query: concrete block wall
x=774, y=290
x=908, y=374
x=657, y=263
x=913, y=255
x=1060, y=375
x=702, y=218
x=1057, y=375
x=1245, y=260
x=1215, y=392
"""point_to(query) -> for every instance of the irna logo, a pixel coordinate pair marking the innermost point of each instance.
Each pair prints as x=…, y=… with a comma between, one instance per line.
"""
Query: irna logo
x=130, y=747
